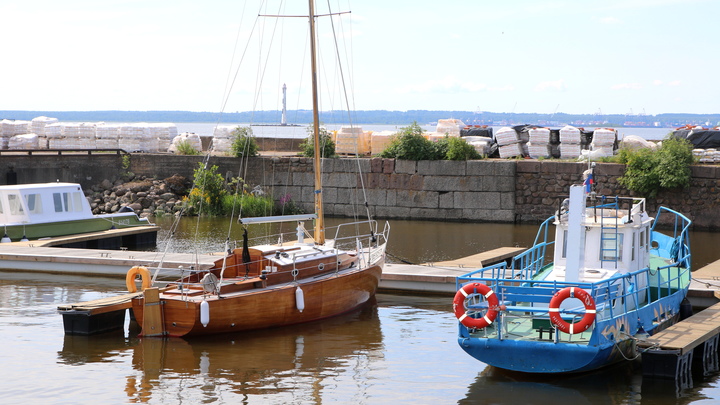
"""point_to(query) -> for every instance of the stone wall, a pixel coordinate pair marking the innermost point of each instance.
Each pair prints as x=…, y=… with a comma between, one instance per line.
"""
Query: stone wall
x=481, y=190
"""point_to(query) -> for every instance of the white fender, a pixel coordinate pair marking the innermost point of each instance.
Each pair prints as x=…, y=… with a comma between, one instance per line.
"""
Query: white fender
x=299, y=299
x=204, y=313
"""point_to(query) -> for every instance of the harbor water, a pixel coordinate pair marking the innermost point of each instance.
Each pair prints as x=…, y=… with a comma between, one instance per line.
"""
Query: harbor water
x=398, y=349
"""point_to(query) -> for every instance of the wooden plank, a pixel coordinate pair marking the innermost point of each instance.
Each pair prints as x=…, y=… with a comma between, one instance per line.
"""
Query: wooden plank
x=102, y=305
x=476, y=261
x=687, y=334
x=152, y=313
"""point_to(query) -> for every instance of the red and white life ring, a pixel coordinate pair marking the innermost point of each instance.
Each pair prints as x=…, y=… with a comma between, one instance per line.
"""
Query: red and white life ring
x=459, y=305
x=562, y=295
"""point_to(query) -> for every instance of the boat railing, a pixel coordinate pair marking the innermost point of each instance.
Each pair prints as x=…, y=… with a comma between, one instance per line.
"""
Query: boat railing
x=528, y=300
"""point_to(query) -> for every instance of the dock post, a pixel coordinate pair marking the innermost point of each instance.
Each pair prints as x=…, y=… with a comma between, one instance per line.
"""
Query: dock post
x=153, y=324
x=705, y=360
x=670, y=364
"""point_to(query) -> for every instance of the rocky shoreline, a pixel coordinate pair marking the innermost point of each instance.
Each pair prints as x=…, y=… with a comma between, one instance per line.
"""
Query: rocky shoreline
x=146, y=196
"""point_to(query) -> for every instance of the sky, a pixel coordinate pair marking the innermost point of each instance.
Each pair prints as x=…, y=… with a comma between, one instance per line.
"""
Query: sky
x=523, y=56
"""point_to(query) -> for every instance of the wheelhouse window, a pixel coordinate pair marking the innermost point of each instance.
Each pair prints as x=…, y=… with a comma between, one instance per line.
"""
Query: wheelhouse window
x=564, y=246
x=15, y=204
x=34, y=203
x=68, y=202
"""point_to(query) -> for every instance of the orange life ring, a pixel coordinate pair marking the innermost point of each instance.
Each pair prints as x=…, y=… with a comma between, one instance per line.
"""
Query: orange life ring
x=132, y=273
x=584, y=297
x=459, y=305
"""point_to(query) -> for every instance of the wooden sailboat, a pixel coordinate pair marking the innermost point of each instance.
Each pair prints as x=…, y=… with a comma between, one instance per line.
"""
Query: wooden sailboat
x=264, y=286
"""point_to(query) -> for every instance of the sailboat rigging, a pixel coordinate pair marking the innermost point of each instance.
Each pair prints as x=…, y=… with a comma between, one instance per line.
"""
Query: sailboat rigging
x=269, y=285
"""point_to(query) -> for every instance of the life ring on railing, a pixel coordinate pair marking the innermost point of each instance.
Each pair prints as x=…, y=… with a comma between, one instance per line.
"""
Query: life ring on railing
x=132, y=273
x=462, y=314
x=584, y=297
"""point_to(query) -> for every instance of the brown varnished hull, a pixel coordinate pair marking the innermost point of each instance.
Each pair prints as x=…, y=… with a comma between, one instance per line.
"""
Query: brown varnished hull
x=324, y=297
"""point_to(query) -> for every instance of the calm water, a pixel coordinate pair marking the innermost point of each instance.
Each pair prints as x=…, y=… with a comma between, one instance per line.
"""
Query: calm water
x=398, y=349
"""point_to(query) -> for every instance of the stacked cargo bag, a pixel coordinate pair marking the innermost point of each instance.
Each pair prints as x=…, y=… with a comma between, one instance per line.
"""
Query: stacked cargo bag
x=223, y=138
x=188, y=137
x=352, y=140
x=24, y=142
x=11, y=128
x=106, y=136
x=165, y=134
x=508, y=143
x=38, y=124
x=53, y=132
x=380, y=140
x=482, y=144
x=450, y=127
x=87, y=135
x=130, y=137
x=603, y=142
x=477, y=130
x=570, y=142
x=539, y=143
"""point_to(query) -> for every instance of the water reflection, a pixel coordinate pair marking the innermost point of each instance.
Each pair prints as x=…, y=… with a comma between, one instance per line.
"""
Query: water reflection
x=620, y=384
x=280, y=362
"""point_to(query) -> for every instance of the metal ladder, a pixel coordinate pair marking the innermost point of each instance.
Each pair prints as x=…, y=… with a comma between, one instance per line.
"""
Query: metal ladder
x=609, y=235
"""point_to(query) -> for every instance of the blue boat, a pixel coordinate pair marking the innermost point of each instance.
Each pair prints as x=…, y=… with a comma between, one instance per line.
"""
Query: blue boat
x=615, y=278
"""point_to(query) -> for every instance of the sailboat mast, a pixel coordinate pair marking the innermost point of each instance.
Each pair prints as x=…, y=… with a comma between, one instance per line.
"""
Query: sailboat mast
x=320, y=222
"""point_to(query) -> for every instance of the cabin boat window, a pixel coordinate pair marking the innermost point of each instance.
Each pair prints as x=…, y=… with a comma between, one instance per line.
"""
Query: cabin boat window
x=632, y=249
x=612, y=244
x=34, y=203
x=15, y=204
x=67, y=202
x=1, y=207
x=564, y=249
x=642, y=239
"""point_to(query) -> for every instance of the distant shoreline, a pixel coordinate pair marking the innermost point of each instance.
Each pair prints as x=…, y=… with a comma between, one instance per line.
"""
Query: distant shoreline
x=378, y=117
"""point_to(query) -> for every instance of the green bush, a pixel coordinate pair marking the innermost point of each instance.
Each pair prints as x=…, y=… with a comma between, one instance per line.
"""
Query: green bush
x=248, y=204
x=244, y=144
x=459, y=149
x=410, y=144
x=207, y=194
x=186, y=148
x=327, y=146
x=649, y=171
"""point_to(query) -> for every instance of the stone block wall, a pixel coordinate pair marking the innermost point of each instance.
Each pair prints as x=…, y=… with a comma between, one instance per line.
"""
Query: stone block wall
x=491, y=190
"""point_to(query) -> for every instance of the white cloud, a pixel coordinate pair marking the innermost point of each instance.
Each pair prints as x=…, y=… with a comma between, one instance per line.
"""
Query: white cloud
x=610, y=20
x=626, y=86
x=555, y=85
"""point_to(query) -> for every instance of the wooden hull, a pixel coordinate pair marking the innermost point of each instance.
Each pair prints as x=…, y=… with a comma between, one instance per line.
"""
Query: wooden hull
x=324, y=296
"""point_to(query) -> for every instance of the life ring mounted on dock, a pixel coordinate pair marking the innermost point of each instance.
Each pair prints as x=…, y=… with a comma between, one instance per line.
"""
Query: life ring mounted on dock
x=584, y=297
x=462, y=314
x=132, y=273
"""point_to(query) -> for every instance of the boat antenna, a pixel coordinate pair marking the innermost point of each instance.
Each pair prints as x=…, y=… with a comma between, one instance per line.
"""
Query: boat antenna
x=319, y=222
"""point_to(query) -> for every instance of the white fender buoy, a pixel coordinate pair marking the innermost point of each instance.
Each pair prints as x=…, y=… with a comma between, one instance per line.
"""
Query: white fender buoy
x=299, y=299
x=5, y=239
x=204, y=313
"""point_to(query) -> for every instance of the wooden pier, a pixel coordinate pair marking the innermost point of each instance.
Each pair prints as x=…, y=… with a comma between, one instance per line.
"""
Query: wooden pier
x=687, y=346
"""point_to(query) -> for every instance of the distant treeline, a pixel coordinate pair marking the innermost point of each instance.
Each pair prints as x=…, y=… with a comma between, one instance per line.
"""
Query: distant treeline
x=380, y=117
